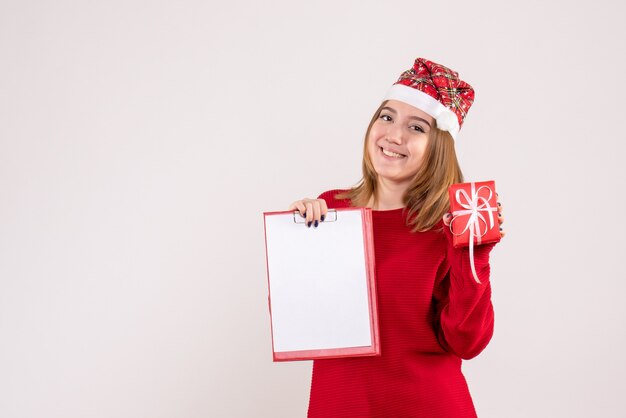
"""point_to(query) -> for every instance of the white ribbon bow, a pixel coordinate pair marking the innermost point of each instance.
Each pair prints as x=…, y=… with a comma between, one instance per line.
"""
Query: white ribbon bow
x=474, y=207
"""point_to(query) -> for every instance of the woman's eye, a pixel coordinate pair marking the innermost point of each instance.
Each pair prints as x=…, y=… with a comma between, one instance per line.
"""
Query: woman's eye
x=417, y=128
x=385, y=117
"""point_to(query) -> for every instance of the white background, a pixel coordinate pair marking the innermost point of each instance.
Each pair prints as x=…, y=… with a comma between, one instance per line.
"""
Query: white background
x=141, y=141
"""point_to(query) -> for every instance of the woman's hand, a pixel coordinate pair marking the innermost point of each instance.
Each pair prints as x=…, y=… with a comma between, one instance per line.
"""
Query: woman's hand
x=448, y=216
x=314, y=210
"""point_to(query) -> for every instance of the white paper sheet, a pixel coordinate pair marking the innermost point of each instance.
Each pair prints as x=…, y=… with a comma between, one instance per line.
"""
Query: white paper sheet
x=318, y=283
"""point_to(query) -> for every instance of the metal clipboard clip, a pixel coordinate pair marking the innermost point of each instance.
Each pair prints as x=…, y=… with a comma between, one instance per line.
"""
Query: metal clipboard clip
x=331, y=216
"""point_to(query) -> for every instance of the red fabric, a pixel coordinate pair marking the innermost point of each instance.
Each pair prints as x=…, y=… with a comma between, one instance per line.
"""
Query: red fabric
x=431, y=315
x=442, y=84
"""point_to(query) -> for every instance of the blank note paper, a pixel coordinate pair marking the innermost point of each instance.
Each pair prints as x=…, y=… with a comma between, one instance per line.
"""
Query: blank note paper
x=321, y=285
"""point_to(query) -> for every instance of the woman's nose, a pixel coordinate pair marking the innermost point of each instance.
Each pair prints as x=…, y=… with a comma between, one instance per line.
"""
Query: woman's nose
x=394, y=134
x=395, y=138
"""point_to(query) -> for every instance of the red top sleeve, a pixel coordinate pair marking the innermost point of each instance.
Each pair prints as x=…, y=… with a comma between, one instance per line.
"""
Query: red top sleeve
x=464, y=315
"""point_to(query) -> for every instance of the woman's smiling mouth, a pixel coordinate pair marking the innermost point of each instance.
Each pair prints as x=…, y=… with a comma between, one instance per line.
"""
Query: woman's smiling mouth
x=391, y=153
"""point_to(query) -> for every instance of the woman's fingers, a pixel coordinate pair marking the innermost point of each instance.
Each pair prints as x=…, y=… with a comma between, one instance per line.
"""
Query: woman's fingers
x=309, y=212
x=313, y=210
x=299, y=205
x=446, y=219
x=500, y=218
x=317, y=213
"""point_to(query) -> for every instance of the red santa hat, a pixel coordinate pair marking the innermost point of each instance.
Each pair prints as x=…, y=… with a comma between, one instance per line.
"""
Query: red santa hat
x=437, y=90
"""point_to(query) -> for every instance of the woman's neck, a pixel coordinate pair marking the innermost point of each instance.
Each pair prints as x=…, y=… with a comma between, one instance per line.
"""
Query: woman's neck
x=389, y=196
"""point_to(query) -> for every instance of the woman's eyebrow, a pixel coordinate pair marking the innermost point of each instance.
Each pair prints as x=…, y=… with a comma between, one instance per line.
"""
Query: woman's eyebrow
x=410, y=117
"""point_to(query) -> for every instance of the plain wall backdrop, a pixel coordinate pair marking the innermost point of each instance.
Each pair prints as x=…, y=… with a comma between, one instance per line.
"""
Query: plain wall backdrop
x=141, y=141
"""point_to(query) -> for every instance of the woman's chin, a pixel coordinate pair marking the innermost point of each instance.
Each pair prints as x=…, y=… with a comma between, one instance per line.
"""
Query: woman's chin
x=392, y=178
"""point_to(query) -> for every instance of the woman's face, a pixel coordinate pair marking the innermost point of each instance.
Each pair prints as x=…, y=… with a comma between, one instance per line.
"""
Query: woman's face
x=397, y=141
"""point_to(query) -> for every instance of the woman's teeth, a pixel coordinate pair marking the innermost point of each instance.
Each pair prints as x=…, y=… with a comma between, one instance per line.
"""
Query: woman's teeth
x=391, y=154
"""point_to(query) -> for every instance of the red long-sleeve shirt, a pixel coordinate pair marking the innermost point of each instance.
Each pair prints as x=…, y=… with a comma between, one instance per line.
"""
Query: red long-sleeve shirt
x=431, y=314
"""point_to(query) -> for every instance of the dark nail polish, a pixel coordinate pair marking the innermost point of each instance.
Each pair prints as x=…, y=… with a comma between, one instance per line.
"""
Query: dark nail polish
x=499, y=204
x=323, y=217
x=500, y=228
x=316, y=223
x=499, y=213
x=304, y=214
x=309, y=224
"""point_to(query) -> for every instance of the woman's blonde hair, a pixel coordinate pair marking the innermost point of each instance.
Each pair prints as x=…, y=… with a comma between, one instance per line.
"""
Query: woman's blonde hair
x=426, y=198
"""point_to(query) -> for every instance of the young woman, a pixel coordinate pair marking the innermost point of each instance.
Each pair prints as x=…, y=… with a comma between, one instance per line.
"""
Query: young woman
x=431, y=311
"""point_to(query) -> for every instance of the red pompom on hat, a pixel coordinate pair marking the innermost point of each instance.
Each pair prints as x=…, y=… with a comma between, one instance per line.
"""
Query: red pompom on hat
x=437, y=90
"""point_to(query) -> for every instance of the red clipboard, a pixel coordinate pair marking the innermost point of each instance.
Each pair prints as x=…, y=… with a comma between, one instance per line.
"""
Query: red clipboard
x=322, y=287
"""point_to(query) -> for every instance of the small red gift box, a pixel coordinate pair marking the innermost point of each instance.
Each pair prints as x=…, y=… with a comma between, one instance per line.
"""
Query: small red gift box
x=474, y=213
